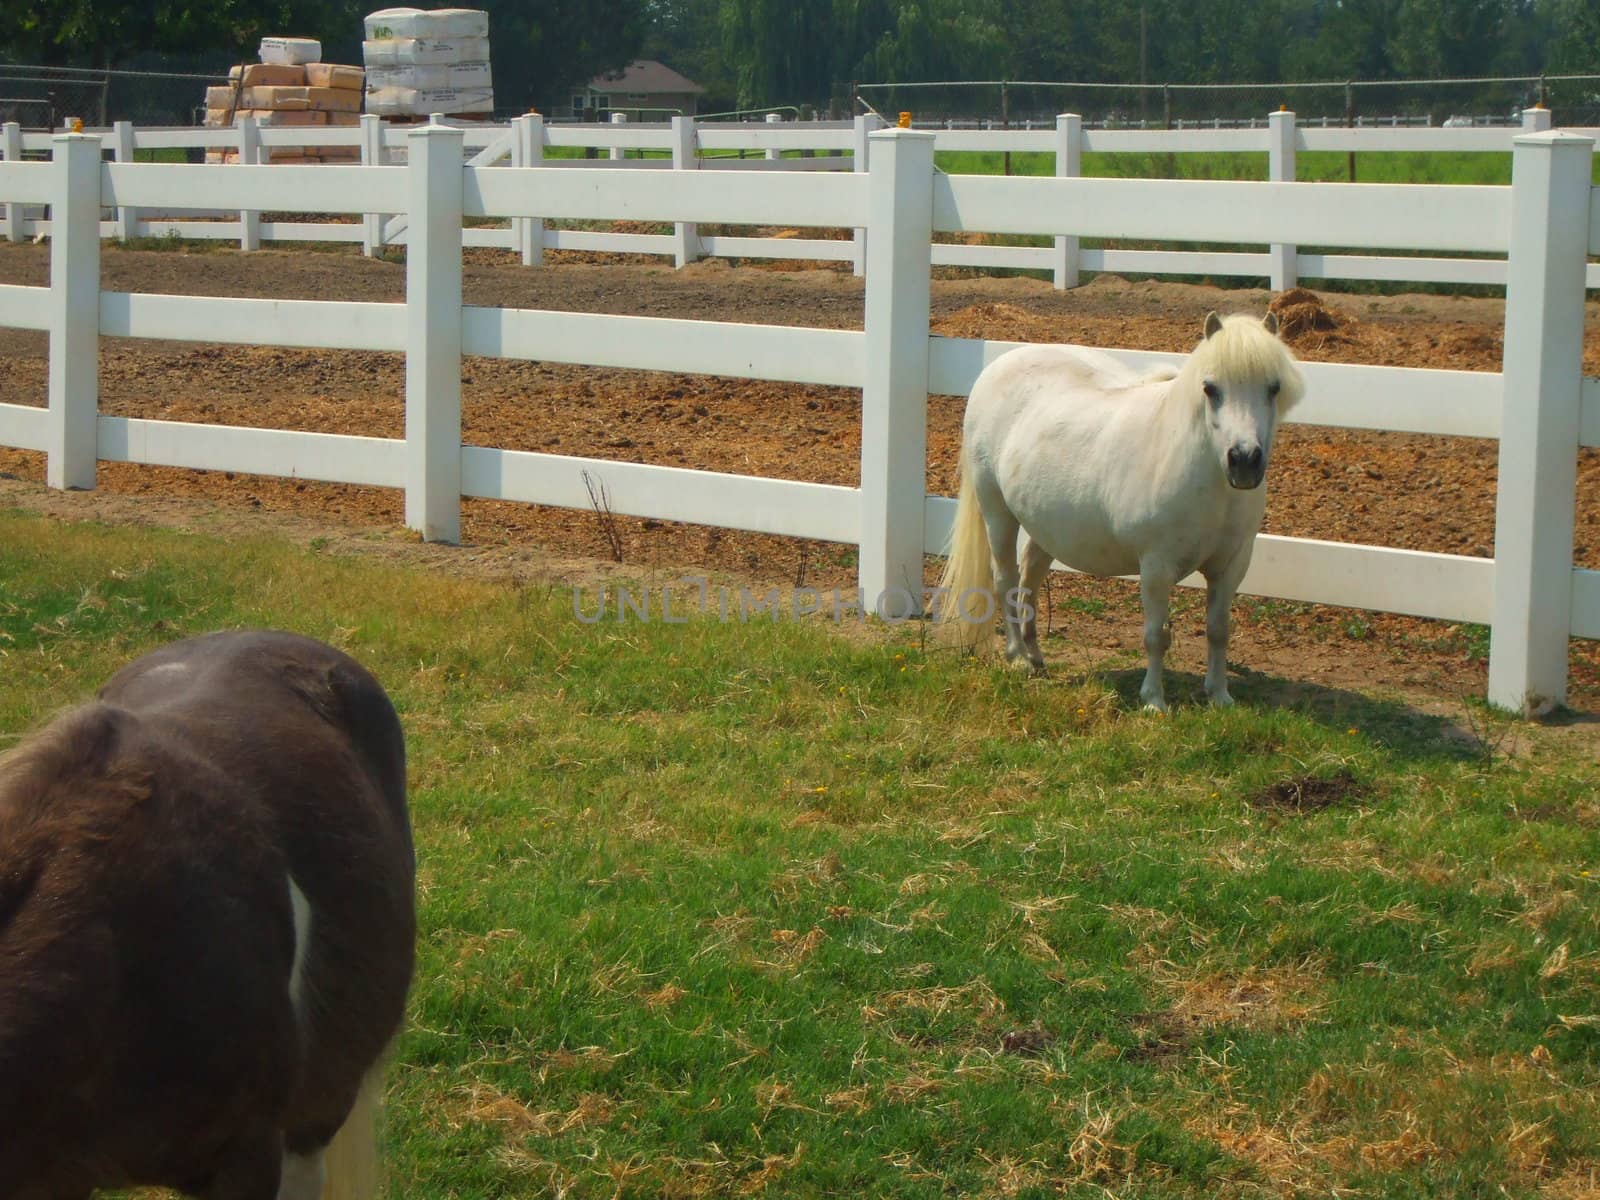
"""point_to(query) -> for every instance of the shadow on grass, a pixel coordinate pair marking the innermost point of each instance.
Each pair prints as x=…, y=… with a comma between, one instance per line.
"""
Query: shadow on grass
x=1409, y=733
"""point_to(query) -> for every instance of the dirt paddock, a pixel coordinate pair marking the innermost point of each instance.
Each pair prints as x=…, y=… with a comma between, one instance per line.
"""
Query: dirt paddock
x=1416, y=492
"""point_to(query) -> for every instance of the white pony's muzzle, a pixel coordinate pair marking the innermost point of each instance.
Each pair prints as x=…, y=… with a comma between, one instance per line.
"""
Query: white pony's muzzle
x=1247, y=467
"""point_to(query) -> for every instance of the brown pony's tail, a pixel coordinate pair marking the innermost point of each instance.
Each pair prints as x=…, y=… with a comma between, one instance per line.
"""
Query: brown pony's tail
x=966, y=595
x=351, y=1160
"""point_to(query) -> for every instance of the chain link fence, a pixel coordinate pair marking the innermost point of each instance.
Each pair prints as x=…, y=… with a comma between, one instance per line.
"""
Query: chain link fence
x=46, y=97
x=1574, y=99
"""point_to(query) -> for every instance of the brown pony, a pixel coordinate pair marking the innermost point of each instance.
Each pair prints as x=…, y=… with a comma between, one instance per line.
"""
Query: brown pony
x=206, y=927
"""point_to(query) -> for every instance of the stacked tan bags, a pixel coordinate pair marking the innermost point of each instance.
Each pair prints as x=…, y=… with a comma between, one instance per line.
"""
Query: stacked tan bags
x=289, y=93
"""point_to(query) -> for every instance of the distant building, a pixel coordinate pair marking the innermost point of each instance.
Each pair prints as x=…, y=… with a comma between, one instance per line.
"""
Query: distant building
x=645, y=90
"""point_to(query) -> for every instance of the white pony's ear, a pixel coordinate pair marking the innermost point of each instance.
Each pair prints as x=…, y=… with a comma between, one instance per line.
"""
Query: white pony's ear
x=1213, y=323
x=1271, y=322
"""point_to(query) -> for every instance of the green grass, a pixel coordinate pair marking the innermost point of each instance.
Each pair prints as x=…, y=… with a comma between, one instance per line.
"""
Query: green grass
x=1311, y=166
x=757, y=909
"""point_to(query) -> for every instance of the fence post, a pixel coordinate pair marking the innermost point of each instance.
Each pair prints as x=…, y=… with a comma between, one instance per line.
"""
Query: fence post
x=249, y=155
x=527, y=150
x=372, y=156
x=1539, y=427
x=127, y=218
x=773, y=153
x=1069, y=165
x=74, y=390
x=11, y=151
x=685, y=157
x=1284, y=259
x=894, y=394
x=434, y=189
x=865, y=124
x=1535, y=120
x=617, y=152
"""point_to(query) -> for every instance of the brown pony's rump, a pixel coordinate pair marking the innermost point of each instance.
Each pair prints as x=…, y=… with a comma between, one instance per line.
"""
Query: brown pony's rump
x=206, y=922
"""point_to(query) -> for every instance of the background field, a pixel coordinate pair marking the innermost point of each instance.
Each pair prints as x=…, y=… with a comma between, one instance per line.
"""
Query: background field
x=780, y=909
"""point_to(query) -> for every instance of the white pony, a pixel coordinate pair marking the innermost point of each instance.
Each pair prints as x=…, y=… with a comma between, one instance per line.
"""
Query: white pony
x=1112, y=472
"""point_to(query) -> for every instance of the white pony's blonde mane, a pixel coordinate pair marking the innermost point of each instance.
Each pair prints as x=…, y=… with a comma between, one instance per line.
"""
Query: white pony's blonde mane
x=1244, y=349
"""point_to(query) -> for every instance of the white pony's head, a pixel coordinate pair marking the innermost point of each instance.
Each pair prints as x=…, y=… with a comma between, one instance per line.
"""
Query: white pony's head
x=1246, y=380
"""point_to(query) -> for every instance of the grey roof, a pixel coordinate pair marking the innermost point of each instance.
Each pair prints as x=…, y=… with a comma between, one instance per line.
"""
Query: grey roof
x=645, y=75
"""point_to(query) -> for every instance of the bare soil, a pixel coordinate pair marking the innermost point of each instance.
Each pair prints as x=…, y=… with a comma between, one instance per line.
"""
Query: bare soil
x=1426, y=493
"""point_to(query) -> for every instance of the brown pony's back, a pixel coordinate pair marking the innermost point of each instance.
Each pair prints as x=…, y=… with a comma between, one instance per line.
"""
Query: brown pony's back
x=165, y=1015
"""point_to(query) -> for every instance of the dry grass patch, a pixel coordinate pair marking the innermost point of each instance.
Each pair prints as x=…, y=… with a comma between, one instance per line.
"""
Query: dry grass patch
x=1576, y=1181
x=585, y=1058
x=976, y=999
x=1097, y=1157
x=1255, y=998
x=486, y=1104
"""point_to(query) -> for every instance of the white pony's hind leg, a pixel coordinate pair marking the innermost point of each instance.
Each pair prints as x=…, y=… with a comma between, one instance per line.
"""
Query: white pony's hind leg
x=1155, y=591
x=1035, y=566
x=1003, y=529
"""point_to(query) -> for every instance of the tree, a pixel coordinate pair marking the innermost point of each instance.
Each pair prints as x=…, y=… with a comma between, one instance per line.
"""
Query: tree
x=104, y=33
x=1438, y=39
x=1575, y=44
x=541, y=51
x=686, y=35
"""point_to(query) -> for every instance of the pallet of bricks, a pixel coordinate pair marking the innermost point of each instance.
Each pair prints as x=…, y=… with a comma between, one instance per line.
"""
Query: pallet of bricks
x=423, y=62
x=291, y=87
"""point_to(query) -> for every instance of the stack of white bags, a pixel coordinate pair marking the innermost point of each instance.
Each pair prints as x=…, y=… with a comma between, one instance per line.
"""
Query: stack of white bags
x=420, y=62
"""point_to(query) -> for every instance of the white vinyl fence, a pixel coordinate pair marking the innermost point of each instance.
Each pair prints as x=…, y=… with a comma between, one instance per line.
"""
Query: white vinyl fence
x=776, y=146
x=1546, y=223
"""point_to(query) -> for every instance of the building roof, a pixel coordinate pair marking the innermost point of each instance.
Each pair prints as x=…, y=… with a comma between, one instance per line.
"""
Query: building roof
x=645, y=75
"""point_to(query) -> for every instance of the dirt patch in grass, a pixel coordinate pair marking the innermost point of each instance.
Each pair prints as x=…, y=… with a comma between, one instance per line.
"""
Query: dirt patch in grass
x=1311, y=793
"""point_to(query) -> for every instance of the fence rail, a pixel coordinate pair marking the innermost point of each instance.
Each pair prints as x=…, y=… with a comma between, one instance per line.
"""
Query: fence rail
x=1540, y=407
x=837, y=147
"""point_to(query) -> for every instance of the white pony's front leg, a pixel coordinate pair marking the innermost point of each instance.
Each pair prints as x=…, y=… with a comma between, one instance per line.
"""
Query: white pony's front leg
x=1220, y=590
x=302, y=1177
x=1155, y=592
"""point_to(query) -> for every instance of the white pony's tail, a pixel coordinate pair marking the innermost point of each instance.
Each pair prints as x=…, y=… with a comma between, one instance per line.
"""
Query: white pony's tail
x=967, y=605
x=351, y=1160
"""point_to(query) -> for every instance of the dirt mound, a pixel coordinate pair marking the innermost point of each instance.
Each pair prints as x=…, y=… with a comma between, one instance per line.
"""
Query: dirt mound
x=1301, y=312
x=998, y=321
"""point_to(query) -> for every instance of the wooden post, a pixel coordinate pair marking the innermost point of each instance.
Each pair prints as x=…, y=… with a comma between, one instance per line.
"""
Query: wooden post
x=11, y=151
x=617, y=152
x=527, y=150
x=435, y=185
x=1069, y=165
x=74, y=390
x=894, y=395
x=1543, y=373
x=773, y=153
x=123, y=148
x=250, y=154
x=1285, y=267
x=1535, y=120
x=372, y=156
x=685, y=157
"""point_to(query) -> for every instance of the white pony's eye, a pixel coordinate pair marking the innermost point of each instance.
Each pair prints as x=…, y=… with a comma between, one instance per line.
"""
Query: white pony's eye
x=1212, y=394
x=1272, y=388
